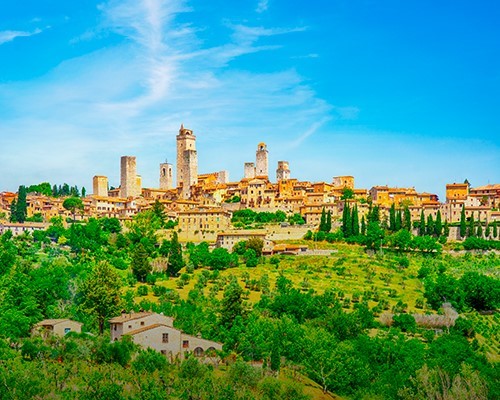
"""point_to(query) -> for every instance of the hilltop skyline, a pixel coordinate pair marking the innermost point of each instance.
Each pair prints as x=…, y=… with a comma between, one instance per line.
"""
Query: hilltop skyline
x=404, y=95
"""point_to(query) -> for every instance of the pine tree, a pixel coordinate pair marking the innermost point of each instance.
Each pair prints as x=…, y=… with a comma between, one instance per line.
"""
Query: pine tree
x=175, y=261
x=463, y=225
x=355, y=221
x=392, y=218
x=363, y=226
x=328, y=225
x=21, y=206
x=470, y=231
x=438, y=226
x=421, y=227
x=322, y=223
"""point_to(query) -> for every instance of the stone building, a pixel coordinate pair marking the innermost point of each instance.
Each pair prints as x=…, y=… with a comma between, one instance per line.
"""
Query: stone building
x=166, y=176
x=129, y=181
x=100, y=185
x=57, y=327
x=187, y=161
x=261, y=165
x=249, y=172
x=156, y=331
x=283, y=171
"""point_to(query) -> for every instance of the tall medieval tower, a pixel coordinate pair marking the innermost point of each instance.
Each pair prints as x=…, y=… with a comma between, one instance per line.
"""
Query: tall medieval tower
x=100, y=185
x=166, y=175
x=261, y=165
x=283, y=171
x=130, y=183
x=187, y=161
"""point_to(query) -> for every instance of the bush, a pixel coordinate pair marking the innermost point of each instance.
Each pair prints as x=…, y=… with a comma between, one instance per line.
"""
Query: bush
x=142, y=290
x=405, y=322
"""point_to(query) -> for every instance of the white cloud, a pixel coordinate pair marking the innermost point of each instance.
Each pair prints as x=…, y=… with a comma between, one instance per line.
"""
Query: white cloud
x=8, y=36
x=262, y=6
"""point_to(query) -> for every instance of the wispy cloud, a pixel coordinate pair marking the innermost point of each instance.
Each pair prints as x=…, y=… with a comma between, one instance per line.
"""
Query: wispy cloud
x=8, y=36
x=131, y=97
x=262, y=6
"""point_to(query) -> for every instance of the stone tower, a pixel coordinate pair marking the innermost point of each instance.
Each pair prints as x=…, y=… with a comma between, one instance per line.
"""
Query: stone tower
x=187, y=161
x=261, y=165
x=100, y=185
x=283, y=171
x=129, y=182
x=249, y=170
x=166, y=176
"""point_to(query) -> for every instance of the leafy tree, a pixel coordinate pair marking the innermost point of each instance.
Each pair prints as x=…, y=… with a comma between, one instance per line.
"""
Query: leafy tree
x=463, y=225
x=374, y=235
x=347, y=194
x=175, y=260
x=100, y=294
x=232, y=304
x=158, y=210
x=220, y=258
x=141, y=266
x=251, y=259
x=481, y=292
x=405, y=322
x=256, y=244
x=73, y=204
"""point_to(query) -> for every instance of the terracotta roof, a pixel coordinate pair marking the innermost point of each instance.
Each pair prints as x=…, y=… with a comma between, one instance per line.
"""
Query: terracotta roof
x=147, y=328
x=129, y=317
x=47, y=322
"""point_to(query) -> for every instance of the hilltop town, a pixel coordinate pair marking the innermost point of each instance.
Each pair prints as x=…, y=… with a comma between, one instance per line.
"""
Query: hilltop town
x=203, y=203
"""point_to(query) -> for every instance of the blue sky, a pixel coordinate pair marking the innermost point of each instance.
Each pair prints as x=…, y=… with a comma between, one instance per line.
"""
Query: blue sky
x=404, y=93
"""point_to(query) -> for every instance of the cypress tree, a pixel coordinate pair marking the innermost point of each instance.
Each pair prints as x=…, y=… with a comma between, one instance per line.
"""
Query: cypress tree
x=21, y=206
x=495, y=230
x=322, y=223
x=421, y=227
x=438, y=226
x=399, y=220
x=470, y=232
x=463, y=226
x=55, y=192
x=479, y=232
x=363, y=226
x=446, y=229
x=175, y=261
x=13, y=213
x=487, y=231
x=392, y=218
x=407, y=219
x=328, y=226
x=346, y=221
x=355, y=221
x=430, y=225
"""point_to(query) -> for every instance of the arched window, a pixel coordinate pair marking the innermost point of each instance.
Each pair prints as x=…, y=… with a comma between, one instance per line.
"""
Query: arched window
x=198, y=352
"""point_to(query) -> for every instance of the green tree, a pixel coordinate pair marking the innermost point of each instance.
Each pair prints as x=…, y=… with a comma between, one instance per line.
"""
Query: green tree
x=141, y=266
x=495, y=229
x=347, y=194
x=487, y=231
x=355, y=221
x=13, y=213
x=363, y=225
x=256, y=244
x=322, y=223
x=100, y=294
x=407, y=219
x=399, y=220
x=231, y=304
x=328, y=224
x=438, y=225
x=421, y=226
x=471, y=230
x=158, y=210
x=175, y=260
x=392, y=218
x=346, y=221
x=479, y=232
x=446, y=229
x=73, y=204
x=84, y=192
x=374, y=235
x=463, y=224
x=430, y=226
x=22, y=205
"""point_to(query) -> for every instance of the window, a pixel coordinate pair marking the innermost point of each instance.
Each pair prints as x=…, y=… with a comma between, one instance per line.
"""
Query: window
x=198, y=352
x=185, y=344
x=130, y=327
x=66, y=330
x=142, y=323
x=164, y=338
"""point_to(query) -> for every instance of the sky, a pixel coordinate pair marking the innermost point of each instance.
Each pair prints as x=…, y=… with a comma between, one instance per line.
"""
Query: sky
x=399, y=93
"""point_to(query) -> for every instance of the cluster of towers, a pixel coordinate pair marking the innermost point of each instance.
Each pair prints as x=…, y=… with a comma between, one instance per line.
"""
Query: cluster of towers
x=187, y=170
